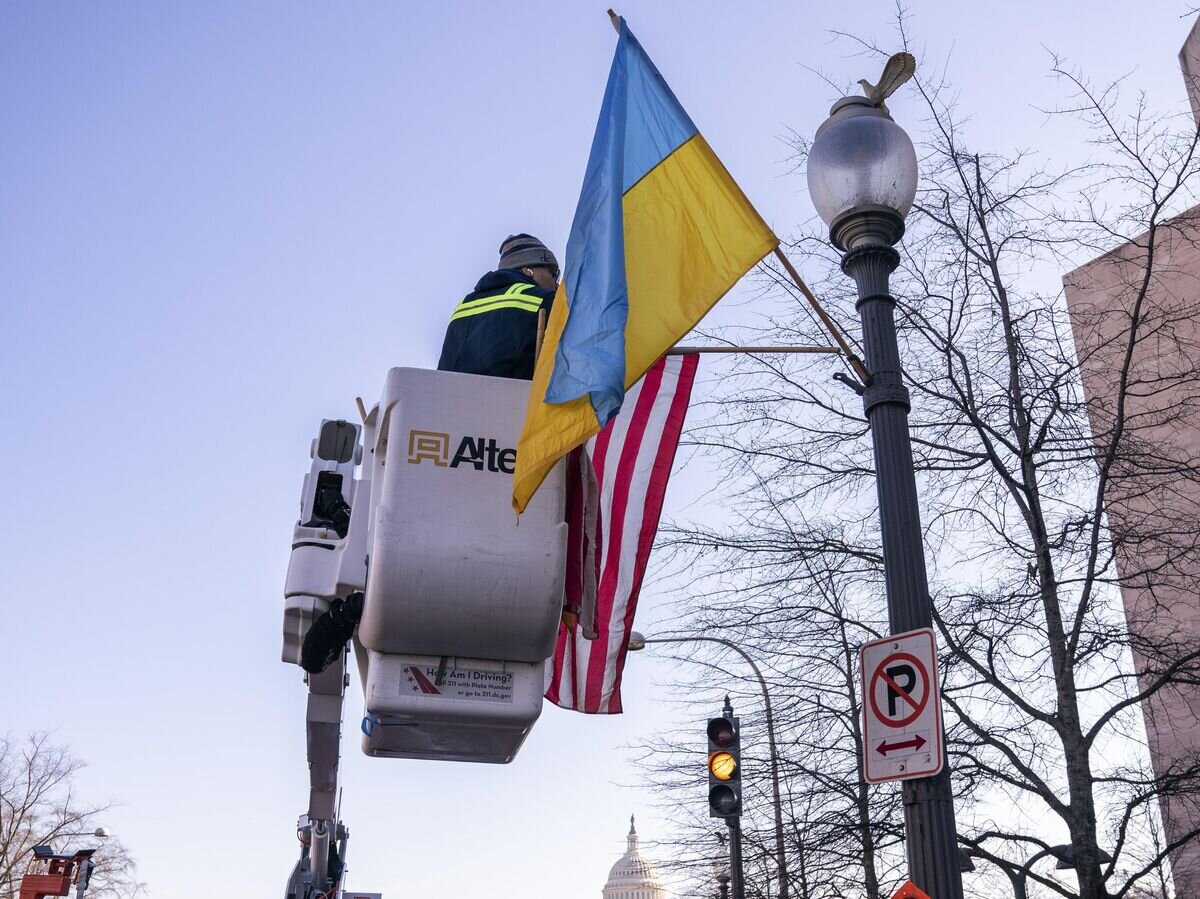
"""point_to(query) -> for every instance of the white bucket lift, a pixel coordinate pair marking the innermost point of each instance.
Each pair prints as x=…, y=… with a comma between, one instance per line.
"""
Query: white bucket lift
x=462, y=605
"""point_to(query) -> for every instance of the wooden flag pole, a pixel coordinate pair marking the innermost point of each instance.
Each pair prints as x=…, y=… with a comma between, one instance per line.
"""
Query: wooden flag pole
x=541, y=334
x=855, y=362
x=616, y=21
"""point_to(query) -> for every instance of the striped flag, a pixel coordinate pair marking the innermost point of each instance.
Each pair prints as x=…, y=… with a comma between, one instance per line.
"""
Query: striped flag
x=618, y=480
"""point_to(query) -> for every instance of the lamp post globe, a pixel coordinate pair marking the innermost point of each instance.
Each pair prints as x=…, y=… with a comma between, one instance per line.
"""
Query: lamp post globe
x=862, y=174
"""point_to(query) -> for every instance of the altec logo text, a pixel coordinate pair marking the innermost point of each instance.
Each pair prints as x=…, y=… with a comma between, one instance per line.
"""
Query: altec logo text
x=481, y=453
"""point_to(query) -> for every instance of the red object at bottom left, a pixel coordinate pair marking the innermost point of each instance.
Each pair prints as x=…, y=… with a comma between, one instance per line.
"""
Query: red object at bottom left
x=53, y=875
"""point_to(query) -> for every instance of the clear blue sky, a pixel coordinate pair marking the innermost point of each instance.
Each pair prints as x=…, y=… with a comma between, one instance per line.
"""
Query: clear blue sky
x=219, y=223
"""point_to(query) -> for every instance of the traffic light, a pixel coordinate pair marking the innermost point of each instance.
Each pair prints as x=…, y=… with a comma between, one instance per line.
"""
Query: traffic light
x=724, y=768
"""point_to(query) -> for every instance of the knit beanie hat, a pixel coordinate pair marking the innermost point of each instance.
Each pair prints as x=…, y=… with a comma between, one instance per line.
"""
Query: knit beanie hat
x=521, y=250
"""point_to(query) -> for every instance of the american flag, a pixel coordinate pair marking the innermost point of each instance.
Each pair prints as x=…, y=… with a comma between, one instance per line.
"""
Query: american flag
x=614, y=498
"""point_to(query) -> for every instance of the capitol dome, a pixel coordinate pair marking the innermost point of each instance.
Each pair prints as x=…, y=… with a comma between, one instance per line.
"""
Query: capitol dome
x=633, y=876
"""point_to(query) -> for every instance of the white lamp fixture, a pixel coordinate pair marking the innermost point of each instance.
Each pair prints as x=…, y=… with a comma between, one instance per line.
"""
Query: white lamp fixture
x=862, y=174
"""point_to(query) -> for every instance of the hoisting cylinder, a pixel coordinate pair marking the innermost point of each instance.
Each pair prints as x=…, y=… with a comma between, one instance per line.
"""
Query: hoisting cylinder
x=462, y=601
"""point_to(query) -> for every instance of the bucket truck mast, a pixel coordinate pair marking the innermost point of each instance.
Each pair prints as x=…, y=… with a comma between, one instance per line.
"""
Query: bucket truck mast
x=461, y=608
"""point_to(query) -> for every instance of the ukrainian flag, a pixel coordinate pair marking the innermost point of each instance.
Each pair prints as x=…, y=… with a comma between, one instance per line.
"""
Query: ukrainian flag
x=661, y=232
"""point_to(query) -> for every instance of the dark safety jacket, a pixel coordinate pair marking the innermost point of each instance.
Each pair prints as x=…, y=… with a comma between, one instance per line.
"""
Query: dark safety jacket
x=493, y=331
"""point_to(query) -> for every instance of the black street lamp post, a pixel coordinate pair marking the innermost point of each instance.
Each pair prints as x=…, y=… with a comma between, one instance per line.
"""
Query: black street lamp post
x=862, y=176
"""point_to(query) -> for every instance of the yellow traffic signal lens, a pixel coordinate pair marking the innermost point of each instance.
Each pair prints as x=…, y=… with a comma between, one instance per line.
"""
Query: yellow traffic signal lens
x=722, y=765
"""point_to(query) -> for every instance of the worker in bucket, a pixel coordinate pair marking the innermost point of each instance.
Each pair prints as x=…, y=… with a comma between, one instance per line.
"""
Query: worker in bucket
x=493, y=331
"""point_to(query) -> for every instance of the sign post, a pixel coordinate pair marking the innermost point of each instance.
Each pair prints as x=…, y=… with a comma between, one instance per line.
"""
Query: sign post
x=902, y=707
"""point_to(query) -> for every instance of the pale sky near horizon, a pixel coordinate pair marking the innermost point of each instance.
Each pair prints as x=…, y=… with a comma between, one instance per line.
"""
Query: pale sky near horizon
x=219, y=223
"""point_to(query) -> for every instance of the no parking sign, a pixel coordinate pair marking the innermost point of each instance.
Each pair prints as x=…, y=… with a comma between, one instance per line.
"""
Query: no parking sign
x=902, y=707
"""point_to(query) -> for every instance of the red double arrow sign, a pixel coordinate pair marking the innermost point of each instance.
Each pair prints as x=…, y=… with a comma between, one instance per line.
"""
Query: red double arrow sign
x=915, y=743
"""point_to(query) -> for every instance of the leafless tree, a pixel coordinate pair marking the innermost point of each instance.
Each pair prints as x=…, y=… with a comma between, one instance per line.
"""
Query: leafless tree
x=1033, y=499
x=840, y=833
x=39, y=805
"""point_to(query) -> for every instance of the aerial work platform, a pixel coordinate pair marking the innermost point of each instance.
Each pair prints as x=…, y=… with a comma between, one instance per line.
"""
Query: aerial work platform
x=461, y=603
x=451, y=571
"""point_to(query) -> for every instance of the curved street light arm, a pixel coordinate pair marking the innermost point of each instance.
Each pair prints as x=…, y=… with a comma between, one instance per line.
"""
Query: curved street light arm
x=780, y=854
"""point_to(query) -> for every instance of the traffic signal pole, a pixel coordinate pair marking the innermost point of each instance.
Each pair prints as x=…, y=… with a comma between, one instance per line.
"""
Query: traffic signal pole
x=737, y=878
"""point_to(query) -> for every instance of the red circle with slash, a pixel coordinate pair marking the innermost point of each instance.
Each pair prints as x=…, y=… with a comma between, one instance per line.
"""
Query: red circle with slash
x=918, y=706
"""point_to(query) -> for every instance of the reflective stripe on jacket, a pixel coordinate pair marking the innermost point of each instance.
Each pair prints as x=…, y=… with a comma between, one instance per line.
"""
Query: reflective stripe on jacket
x=516, y=297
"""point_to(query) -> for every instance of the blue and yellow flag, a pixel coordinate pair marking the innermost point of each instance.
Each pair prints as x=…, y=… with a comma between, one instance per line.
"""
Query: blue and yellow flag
x=661, y=232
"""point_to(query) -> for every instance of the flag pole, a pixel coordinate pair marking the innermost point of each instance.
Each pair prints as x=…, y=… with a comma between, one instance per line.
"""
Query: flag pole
x=541, y=334
x=857, y=364
x=688, y=350
x=616, y=21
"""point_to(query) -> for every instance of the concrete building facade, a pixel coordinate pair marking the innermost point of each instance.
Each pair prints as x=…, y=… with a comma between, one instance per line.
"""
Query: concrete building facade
x=1135, y=314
